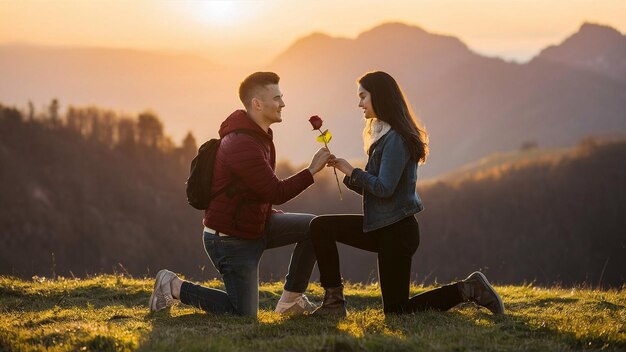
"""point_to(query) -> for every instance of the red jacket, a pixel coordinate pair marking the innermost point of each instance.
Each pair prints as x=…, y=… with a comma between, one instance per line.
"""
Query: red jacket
x=249, y=159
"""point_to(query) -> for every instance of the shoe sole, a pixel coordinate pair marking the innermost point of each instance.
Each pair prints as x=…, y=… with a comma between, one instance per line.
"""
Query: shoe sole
x=292, y=311
x=295, y=309
x=483, y=278
x=157, y=284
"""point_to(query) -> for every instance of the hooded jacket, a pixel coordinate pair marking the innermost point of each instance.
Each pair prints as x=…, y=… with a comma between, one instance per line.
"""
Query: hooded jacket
x=246, y=161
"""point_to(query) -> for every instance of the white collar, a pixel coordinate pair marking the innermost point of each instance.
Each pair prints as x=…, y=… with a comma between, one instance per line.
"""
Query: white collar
x=373, y=131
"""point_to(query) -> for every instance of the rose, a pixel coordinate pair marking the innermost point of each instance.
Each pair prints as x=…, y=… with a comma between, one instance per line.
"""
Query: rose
x=325, y=138
x=316, y=122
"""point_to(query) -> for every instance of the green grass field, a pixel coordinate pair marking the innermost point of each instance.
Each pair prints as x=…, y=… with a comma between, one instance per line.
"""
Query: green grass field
x=110, y=313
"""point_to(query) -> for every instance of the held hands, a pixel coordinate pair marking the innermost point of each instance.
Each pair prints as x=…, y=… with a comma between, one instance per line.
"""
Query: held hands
x=323, y=158
x=319, y=160
x=340, y=164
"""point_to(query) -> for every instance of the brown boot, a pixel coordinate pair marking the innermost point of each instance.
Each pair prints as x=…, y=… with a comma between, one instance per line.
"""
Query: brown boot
x=476, y=288
x=334, y=303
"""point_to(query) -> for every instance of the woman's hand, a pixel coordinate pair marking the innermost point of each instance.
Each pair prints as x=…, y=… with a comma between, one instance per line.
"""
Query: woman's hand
x=340, y=164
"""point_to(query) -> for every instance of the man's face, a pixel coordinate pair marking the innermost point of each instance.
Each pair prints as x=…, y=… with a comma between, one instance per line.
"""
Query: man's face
x=270, y=103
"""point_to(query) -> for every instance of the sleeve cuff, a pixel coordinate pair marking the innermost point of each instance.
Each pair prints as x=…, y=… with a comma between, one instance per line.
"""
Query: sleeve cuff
x=346, y=180
x=354, y=177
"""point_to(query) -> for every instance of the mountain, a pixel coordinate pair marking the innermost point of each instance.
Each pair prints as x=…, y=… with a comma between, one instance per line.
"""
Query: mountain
x=471, y=105
x=599, y=48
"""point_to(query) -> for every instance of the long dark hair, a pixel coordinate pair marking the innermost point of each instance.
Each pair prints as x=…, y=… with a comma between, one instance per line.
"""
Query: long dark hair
x=391, y=106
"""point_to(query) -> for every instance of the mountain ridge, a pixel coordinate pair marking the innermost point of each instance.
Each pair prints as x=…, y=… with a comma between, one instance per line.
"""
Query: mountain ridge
x=455, y=90
x=595, y=47
x=471, y=104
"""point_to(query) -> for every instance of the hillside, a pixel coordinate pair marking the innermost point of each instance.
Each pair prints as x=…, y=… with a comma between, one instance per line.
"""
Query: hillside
x=548, y=216
x=78, y=204
x=73, y=204
x=553, y=219
x=110, y=313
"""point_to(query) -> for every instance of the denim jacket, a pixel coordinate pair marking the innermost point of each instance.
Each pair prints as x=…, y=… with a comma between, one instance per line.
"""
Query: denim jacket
x=387, y=184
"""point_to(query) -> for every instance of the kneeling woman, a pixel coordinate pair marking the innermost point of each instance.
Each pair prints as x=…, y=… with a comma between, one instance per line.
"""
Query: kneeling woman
x=395, y=145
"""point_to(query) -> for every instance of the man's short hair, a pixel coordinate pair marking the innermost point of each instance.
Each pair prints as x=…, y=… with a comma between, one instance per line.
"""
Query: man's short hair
x=255, y=81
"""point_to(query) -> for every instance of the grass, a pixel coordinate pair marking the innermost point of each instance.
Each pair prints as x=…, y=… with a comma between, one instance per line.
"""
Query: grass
x=110, y=313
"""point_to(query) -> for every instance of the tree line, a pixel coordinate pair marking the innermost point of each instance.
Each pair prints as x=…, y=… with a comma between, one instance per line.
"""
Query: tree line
x=90, y=191
x=131, y=134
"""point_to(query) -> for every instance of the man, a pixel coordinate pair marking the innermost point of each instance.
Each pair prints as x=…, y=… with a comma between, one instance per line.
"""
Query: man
x=240, y=222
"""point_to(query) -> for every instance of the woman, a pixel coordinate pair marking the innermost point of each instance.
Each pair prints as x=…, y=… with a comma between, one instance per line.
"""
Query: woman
x=394, y=145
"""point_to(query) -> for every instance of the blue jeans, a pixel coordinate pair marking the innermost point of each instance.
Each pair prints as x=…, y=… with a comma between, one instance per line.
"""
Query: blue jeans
x=238, y=261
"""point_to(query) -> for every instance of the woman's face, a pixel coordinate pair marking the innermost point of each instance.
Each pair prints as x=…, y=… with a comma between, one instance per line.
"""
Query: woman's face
x=365, y=103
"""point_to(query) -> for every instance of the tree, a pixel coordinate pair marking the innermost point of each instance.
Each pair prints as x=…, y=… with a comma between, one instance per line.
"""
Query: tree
x=189, y=147
x=149, y=130
x=53, y=112
x=126, y=132
x=189, y=142
x=107, y=131
x=93, y=117
x=31, y=111
x=71, y=119
x=10, y=114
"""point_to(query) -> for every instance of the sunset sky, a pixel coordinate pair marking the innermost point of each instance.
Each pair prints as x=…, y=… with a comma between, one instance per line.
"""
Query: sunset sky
x=223, y=30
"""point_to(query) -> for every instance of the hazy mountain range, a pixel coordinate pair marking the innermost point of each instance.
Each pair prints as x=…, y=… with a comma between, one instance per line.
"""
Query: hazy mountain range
x=471, y=105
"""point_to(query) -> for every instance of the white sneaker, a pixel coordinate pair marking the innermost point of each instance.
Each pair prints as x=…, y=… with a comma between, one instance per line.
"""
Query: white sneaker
x=300, y=305
x=161, y=297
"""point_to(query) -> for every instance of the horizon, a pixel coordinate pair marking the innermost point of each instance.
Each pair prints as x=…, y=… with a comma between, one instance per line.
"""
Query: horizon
x=183, y=53
x=511, y=31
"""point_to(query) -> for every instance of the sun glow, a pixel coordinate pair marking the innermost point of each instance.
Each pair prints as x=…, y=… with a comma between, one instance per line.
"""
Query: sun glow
x=220, y=12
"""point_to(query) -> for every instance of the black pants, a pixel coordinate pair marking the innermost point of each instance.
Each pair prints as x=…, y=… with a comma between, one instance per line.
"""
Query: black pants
x=395, y=245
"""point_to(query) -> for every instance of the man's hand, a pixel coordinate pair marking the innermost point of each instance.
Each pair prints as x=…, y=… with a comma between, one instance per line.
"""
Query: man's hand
x=341, y=165
x=319, y=160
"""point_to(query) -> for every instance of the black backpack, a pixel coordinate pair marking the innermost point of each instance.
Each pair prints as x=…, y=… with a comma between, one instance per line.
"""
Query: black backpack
x=201, y=176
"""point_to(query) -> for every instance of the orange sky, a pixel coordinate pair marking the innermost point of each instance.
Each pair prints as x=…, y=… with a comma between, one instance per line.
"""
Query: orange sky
x=223, y=30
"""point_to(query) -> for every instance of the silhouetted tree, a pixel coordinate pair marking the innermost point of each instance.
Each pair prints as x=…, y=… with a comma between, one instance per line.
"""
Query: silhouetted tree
x=53, y=113
x=31, y=111
x=189, y=149
x=127, y=131
x=93, y=117
x=10, y=114
x=149, y=130
x=105, y=132
x=71, y=120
